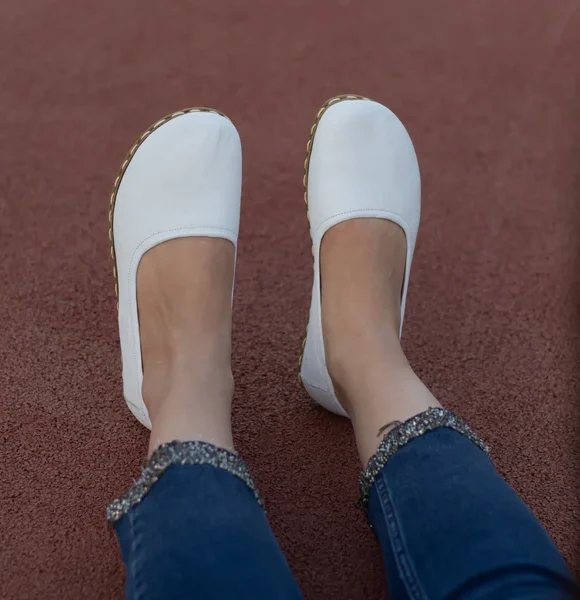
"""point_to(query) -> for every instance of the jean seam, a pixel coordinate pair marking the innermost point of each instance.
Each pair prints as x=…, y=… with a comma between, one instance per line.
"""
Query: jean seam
x=405, y=566
x=134, y=563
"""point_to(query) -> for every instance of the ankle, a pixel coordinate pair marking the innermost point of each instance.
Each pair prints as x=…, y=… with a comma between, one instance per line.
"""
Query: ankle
x=380, y=397
x=363, y=360
x=190, y=401
x=179, y=420
x=203, y=380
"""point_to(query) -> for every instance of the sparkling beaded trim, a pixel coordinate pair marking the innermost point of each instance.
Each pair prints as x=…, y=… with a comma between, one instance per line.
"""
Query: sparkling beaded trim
x=180, y=453
x=402, y=434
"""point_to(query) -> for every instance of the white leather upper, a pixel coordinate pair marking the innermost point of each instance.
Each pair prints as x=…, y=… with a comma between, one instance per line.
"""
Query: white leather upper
x=184, y=180
x=362, y=165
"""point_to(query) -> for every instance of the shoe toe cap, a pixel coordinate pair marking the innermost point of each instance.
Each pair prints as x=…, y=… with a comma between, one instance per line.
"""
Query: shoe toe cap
x=362, y=159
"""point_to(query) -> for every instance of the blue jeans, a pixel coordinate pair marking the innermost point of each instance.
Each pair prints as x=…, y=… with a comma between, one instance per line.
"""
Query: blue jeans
x=449, y=527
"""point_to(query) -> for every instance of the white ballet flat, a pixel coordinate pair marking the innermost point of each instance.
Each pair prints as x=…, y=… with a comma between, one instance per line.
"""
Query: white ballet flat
x=182, y=178
x=360, y=163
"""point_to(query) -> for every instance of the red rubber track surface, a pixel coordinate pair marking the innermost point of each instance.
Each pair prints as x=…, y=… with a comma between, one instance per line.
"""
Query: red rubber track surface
x=490, y=94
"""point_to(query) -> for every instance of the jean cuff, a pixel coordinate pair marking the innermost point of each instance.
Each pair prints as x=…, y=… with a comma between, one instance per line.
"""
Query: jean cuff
x=179, y=453
x=405, y=432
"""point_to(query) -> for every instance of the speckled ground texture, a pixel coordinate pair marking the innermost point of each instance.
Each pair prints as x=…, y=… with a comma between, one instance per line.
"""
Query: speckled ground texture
x=489, y=91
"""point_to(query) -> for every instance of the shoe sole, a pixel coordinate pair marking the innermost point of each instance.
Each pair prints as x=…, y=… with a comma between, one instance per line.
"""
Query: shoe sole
x=124, y=166
x=334, y=100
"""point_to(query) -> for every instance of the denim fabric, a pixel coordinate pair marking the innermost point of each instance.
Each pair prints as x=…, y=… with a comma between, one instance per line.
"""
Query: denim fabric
x=200, y=534
x=449, y=526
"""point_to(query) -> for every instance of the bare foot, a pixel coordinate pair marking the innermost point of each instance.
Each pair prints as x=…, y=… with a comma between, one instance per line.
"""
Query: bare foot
x=184, y=291
x=362, y=270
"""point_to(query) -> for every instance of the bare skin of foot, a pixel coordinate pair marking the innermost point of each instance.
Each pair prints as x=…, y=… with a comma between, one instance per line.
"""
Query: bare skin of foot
x=184, y=291
x=362, y=270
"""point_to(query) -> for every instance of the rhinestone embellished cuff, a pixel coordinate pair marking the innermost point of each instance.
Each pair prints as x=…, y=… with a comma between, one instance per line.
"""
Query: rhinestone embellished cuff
x=180, y=453
x=402, y=434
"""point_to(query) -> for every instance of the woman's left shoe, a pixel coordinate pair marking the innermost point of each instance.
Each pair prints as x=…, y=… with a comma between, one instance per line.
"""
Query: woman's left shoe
x=360, y=163
x=182, y=178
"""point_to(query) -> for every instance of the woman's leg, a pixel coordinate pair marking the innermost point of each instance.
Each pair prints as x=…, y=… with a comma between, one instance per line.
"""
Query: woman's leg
x=449, y=525
x=192, y=525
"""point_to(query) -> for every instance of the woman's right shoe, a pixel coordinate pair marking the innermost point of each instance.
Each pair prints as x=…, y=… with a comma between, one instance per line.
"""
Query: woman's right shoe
x=182, y=178
x=360, y=163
